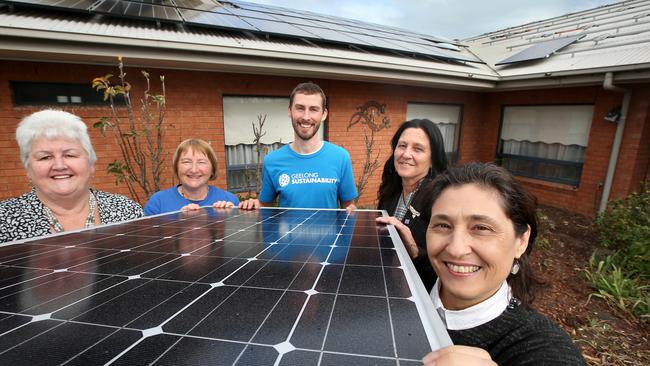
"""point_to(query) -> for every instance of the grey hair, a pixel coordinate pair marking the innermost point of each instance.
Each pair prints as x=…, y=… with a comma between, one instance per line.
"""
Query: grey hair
x=52, y=124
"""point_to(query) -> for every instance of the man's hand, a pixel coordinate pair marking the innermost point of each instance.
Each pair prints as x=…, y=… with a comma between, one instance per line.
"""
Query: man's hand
x=249, y=204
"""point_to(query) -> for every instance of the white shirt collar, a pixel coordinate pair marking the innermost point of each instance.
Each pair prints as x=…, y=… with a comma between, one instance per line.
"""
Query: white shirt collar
x=475, y=315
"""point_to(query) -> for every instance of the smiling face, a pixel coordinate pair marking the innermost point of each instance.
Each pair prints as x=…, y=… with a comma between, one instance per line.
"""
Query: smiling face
x=307, y=113
x=194, y=169
x=471, y=244
x=412, y=156
x=59, y=168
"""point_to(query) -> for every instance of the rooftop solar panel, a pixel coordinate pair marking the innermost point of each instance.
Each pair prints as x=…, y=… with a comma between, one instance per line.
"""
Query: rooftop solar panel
x=218, y=20
x=540, y=50
x=218, y=287
x=330, y=35
x=201, y=5
x=277, y=27
x=236, y=15
x=61, y=4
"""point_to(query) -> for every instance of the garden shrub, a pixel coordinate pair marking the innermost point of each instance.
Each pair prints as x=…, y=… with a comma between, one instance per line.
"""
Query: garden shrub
x=620, y=270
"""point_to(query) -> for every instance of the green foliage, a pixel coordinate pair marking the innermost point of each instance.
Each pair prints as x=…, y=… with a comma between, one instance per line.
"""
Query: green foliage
x=625, y=291
x=625, y=227
x=620, y=271
x=120, y=170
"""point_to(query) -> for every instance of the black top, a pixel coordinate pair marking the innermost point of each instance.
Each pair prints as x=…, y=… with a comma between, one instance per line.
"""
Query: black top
x=23, y=217
x=521, y=336
x=421, y=202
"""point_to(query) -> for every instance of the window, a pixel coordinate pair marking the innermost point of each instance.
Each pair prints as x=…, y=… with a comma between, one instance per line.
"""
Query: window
x=446, y=117
x=239, y=113
x=545, y=142
x=36, y=93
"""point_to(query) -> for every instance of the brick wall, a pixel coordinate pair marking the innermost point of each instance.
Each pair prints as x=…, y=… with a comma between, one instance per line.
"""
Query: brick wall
x=194, y=102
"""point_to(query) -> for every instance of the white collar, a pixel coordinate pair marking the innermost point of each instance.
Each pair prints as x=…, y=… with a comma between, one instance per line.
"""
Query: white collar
x=475, y=315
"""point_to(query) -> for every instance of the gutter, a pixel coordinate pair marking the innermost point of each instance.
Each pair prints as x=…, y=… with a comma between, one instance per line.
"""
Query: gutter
x=608, y=84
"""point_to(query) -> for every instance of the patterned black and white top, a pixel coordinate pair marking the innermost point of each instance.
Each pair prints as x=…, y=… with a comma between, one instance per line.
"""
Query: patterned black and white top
x=22, y=217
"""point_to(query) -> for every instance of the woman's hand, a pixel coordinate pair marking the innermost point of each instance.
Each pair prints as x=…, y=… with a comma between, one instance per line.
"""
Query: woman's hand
x=404, y=232
x=249, y=204
x=190, y=207
x=458, y=355
x=223, y=204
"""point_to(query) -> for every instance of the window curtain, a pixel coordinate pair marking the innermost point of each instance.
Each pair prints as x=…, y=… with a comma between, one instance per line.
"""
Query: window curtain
x=549, y=132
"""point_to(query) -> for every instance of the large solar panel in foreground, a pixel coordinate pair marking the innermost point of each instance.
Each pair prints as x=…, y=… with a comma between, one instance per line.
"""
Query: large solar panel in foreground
x=217, y=287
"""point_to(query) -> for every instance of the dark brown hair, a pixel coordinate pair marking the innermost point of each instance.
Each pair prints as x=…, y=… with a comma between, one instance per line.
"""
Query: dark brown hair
x=308, y=88
x=519, y=206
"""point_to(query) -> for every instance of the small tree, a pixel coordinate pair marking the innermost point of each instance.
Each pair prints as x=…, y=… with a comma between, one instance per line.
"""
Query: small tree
x=139, y=137
x=258, y=133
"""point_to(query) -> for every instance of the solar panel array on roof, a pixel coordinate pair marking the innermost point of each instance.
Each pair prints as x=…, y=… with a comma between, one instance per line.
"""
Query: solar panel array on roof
x=217, y=287
x=268, y=20
x=540, y=50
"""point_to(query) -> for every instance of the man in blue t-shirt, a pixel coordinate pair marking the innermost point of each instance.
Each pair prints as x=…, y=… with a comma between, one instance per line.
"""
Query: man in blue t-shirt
x=308, y=172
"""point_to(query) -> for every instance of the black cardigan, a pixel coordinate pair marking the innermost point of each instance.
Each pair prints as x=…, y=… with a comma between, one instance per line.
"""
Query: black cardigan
x=421, y=203
x=521, y=336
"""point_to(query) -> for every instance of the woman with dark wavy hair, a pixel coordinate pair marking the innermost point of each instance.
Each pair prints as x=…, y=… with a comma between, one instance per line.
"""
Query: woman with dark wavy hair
x=418, y=156
x=482, y=230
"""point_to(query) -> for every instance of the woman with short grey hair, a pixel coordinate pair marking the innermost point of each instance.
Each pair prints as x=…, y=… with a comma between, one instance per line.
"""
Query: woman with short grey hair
x=59, y=161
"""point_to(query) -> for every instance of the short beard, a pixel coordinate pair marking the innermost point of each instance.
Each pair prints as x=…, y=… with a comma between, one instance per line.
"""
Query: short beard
x=296, y=129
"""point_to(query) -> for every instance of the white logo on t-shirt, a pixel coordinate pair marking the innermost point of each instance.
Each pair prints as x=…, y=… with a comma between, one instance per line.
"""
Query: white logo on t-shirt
x=283, y=180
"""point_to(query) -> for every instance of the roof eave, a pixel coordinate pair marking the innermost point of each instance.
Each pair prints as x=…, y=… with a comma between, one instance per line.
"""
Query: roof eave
x=638, y=73
x=33, y=45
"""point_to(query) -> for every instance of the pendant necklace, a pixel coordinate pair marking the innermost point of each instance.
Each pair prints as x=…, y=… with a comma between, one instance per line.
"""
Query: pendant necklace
x=90, y=219
x=182, y=192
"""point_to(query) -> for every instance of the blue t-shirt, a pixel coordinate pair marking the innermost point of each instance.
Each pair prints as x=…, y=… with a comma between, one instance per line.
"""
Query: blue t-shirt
x=317, y=180
x=170, y=200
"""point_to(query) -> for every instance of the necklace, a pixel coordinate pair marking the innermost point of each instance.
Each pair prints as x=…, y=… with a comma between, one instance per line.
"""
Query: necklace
x=182, y=192
x=90, y=219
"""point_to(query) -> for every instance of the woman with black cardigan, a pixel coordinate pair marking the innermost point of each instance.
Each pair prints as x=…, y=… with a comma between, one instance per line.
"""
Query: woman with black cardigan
x=418, y=156
x=482, y=231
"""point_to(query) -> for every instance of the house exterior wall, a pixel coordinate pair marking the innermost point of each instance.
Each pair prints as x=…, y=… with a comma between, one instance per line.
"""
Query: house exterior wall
x=194, y=109
x=633, y=158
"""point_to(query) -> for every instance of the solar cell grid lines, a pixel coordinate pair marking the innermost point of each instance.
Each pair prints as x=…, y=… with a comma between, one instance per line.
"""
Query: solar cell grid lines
x=218, y=287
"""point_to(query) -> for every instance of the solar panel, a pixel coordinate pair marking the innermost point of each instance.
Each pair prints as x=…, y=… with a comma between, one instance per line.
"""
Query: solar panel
x=330, y=35
x=276, y=27
x=201, y=5
x=138, y=10
x=540, y=50
x=61, y=4
x=218, y=287
x=210, y=19
x=237, y=15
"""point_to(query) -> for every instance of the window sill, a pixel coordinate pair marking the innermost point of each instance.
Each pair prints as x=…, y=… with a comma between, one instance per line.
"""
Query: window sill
x=559, y=187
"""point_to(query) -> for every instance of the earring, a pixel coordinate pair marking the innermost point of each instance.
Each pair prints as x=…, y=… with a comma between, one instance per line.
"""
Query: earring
x=515, y=267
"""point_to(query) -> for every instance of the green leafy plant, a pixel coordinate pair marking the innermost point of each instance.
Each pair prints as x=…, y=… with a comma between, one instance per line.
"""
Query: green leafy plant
x=139, y=136
x=622, y=290
x=625, y=227
x=620, y=270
